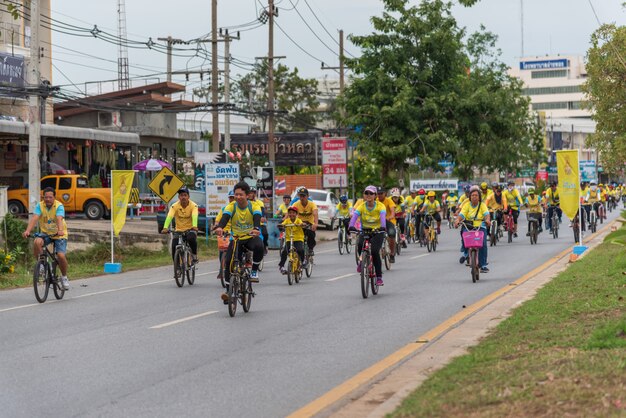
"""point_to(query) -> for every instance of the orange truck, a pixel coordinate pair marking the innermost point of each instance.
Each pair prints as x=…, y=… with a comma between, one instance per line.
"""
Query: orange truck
x=73, y=191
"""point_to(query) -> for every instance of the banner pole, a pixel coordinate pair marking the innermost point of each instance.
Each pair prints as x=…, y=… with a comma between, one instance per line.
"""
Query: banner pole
x=580, y=221
x=112, y=249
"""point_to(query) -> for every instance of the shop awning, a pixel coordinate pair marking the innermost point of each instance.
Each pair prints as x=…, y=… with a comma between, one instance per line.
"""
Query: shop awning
x=20, y=129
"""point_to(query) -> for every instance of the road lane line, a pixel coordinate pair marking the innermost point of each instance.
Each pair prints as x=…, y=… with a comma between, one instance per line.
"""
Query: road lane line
x=22, y=306
x=178, y=321
x=418, y=256
x=340, y=277
x=344, y=389
x=207, y=273
x=120, y=289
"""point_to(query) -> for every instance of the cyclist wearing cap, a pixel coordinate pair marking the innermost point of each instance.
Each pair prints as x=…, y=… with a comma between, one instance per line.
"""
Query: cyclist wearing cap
x=415, y=209
x=593, y=198
x=246, y=226
x=497, y=204
x=476, y=213
x=298, y=237
x=551, y=203
x=307, y=212
x=372, y=215
x=432, y=207
x=514, y=201
x=400, y=210
x=484, y=191
x=390, y=209
x=185, y=214
x=533, y=203
x=281, y=212
x=463, y=199
x=344, y=211
x=452, y=200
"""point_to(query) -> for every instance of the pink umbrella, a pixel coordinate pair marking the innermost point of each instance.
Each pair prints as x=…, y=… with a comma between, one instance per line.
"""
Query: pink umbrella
x=151, y=165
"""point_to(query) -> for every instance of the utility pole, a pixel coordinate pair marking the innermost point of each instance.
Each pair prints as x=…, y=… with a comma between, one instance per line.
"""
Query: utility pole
x=272, y=11
x=34, y=130
x=227, y=40
x=214, y=80
x=169, y=41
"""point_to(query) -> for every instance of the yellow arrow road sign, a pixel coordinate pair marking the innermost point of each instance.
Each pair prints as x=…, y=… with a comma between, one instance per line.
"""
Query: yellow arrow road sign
x=166, y=184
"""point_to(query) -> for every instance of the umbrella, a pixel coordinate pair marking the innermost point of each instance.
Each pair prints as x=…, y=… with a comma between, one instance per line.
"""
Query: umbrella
x=151, y=165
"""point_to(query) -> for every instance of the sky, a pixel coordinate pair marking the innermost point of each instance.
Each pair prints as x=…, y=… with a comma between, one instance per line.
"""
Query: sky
x=550, y=27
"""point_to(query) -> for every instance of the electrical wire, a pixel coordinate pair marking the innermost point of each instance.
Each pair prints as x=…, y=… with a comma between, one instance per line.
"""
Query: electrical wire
x=326, y=30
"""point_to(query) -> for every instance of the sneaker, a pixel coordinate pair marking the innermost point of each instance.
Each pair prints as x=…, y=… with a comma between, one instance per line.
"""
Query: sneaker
x=438, y=230
x=392, y=258
x=194, y=259
x=527, y=234
x=254, y=276
x=311, y=253
x=515, y=234
x=379, y=281
x=220, y=276
x=462, y=259
x=224, y=297
x=358, y=268
x=283, y=270
x=484, y=270
x=65, y=283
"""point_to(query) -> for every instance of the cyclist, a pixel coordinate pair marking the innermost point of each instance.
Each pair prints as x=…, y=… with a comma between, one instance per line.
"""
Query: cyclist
x=185, y=214
x=408, y=201
x=344, y=211
x=307, y=212
x=252, y=197
x=432, y=207
x=603, y=199
x=281, y=212
x=218, y=218
x=399, y=201
x=390, y=209
x=584, y=190
x=464, y=198
x=452, y=200
x=552, y=203
x=372, y=215
x=484, y=191
x=50, y=214
x=417, y=205
x=514, y=201
x=298, y=237
x=246, y=226
x=534, y=204
x=497, y=204
x=477, y=213
x=593, y=197
x=444, y=203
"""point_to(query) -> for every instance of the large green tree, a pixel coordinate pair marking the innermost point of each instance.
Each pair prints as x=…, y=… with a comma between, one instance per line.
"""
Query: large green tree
x=606, y=94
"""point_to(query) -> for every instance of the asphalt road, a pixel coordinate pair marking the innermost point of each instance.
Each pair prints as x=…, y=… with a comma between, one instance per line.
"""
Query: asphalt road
x=136, y=345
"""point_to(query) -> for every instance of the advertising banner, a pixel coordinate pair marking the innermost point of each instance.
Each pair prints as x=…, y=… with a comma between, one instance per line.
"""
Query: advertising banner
x=435, y=184
x=121, y=184
x=588, y=170
x=293, y=148
x=12, y=71
x=334, y=163
x=220, y=179
x=569, y=179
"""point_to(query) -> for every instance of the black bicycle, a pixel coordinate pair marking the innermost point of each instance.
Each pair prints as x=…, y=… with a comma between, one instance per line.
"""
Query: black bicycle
x=239, y=290
x=184, y=267
x=45, y=275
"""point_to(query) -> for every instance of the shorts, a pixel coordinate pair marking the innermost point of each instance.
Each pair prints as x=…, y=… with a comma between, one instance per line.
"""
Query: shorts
x=60, y=245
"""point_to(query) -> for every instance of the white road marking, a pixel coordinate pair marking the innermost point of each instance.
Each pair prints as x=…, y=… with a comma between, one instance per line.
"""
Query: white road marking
x=21, y=306
x=207, y=273
x=418, y=256
x=178, y=321
x=340, y=277
x=120, y=289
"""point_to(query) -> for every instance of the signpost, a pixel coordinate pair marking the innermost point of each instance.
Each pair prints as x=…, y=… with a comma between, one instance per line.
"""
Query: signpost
x=166, y=184
x=334, y=163
x=220, y=179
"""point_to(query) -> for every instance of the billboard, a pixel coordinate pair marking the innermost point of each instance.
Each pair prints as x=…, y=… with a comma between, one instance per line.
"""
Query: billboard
x=544, y=64
x=220, y=179
x=334, y=163
x=588, y=170
x=12, y=71
x=296, y=148
x=435, y=184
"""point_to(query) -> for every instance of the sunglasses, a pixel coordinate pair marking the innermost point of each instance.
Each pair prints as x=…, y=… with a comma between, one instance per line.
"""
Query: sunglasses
x=368, y=193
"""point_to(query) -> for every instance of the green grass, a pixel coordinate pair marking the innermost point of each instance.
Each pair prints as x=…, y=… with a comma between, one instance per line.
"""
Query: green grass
x=562, y=353
x=90, y=262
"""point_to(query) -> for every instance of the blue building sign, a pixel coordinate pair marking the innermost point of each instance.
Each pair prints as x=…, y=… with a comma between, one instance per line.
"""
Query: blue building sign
x=544, y=65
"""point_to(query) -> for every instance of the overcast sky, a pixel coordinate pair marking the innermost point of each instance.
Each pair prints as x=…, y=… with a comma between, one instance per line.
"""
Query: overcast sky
x=550, y=26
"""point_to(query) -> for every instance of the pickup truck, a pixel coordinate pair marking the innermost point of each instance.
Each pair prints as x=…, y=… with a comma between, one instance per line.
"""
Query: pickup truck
x=72, y=190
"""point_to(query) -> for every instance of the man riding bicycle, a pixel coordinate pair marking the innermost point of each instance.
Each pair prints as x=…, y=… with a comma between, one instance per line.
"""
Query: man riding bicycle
x=281, y=212
x=497, y=204
x=432, y=207
x=400, y=214
x=534, y=204
x=593, y=199
x=484, y=191
x=307, y=212
x=390, y=208
x=453, y=201
x=372, y=216
x=418, y=201
x=246, y=226
x=50, y=213
x=344, y=211
x=218, y=218
x=552, y=203
x=514, y=201
x=185, y=214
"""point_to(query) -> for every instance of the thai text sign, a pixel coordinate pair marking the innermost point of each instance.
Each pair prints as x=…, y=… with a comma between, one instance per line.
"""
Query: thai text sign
x=334, y=162
x=588, y=170
x=290, y=148
x=11, y=70
x=435, y=184
x=220, y=179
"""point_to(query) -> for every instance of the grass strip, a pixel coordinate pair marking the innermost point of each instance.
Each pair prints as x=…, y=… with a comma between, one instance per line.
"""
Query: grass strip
x=563, y=353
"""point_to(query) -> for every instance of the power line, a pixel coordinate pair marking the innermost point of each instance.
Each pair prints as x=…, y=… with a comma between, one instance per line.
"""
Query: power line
x=324, y=27
x=311, y=29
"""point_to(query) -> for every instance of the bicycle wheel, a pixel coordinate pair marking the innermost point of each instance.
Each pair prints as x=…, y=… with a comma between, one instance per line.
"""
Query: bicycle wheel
x=340, y=238
x=531, y=233
x=510, y=235
x=297, y=275
x=40, y=281
x=190, y=268
x=429, y=243
x=435, y=241
x=179, y=270
x=261, y=264
x=290, y=272
x=601, y=214
x=373, y=284
x=576, y=234
x=233, y=293
x=309, y=266
x=348, y=242
x=385, y=256
x=365, y=286
x=223, y=263
x=54, y=279
x=474, y=264
x=246, y=296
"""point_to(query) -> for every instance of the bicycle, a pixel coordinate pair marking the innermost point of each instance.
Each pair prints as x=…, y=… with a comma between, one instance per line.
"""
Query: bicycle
x=494, y=231
x=576, y=228
x=410, y=237
x=398, y=240
x=294, y=267
x=343, y=238
x=601, y=213
x=385, y=252
x=593, y=219
x=473, y=241
x=509, y=225
x=184, y=267
x=45, y=274
x=451, y=218
x=308, y=257
x=555, y=223
x=368, y=275
x=431, y=237
x=533, y=228
x=240, y=289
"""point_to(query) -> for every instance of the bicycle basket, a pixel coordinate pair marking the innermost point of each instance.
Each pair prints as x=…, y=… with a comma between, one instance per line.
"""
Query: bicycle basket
x=473, y=239
x=223, y=242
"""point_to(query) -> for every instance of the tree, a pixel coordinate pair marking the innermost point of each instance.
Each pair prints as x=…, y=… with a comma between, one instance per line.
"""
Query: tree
x=606, y=94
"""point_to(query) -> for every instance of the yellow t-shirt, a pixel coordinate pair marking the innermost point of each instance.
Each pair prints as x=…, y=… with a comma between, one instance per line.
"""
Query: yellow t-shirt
x=417, y=202
x=485, y=195
x=583, y=194
x=370, y=219
x=282, y=210
x=242, y=219
x=534, y=204
x=409, y=202
x=552, y=197
x=452, y=201
x=218, y=218
x=431, y=207
x=476, y=214
x=493, y=204
x=344, y=210
x=306, y=213
x=297, y=231
x=388, y=206
x=48, y=218
x=513, y=199
x=186, y=218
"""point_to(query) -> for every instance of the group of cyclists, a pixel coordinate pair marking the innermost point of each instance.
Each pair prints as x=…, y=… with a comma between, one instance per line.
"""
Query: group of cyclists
x=375, y=212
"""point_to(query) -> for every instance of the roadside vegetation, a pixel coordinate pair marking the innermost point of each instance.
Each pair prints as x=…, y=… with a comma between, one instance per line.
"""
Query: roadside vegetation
x=560, y=354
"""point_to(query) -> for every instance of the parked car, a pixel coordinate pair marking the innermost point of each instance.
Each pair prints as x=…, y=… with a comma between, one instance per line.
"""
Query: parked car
x=326, y=206
x=196, y=196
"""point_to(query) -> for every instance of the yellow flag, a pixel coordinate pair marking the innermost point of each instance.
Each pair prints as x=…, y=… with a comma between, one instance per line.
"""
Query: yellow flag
x=121, y=184
x=569, y=179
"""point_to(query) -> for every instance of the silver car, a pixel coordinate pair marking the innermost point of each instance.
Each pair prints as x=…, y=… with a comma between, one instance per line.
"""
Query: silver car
x=326, y=203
